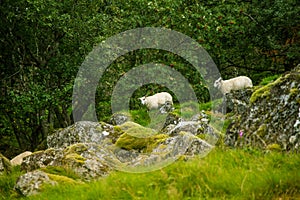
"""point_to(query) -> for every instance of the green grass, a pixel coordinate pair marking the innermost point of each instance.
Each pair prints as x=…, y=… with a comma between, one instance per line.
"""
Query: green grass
x=223, y=174
x=7, y=182
x=186, y=111
x=140, y=116
x=269, y=79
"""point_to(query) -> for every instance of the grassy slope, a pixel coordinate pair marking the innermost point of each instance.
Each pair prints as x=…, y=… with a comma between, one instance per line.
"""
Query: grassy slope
x=223, y=174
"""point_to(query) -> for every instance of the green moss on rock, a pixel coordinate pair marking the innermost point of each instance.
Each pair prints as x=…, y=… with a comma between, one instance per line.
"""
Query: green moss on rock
x=72, y=155
x=62, y=179
x=262, y=130
x=76, y=148
x=274, y=147
x=75, y=157
x=62, y=171
x=264, y=91
x=137, y=130
x=294, y=92
x=133, y=136
x=128, y=142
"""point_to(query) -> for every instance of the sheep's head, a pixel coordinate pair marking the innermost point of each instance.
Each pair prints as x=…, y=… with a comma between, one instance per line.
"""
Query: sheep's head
x=217, y=83
x=143, y=100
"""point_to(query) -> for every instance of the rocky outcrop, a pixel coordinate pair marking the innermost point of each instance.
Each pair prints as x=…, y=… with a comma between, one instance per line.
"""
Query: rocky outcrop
x=91, y=150
x=272, y=116
x=81, y=132
x=238, y=101
x=32, y=182
x=88, y=160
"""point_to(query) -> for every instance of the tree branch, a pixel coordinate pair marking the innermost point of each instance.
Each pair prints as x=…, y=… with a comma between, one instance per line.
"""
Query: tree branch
x=250, y=17
x=232, y=64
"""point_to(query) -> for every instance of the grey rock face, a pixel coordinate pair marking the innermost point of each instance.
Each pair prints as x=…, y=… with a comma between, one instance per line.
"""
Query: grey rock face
x=183, y=144
x=87, y=160
x=119, y=118
x=40, y=159
x=31, y=182
x=198, y=126
x=172, y=119
x=237, y=101
x=272, y=116
x=80, y=132
x=167, y=107
x=192, y=127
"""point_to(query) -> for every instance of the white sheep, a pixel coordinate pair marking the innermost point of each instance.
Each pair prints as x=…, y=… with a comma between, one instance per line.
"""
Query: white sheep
x=237, y=83
x=157, y=100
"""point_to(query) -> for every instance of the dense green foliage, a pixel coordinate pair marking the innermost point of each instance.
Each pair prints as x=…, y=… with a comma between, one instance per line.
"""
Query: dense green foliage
x=223, y=174
x=43, y=43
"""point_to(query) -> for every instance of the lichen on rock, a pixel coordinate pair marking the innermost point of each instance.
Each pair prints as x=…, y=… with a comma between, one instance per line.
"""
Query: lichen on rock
x=138, y=137
x=32, y=182
x=120, y=118
x=271, y=117
x=80, y=132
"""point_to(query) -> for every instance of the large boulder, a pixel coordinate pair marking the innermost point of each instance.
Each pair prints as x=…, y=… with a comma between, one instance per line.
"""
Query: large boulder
x=192, y=127
x=272, y=118
x=138, y=137
x=166, y=151
x=88, y=160
x=42, y=159
x=81, y=132
x=32, y=182
x=183, y=144
x=199, y=126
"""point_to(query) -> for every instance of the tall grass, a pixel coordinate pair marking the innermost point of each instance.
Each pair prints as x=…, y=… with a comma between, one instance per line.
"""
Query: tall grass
x=223, y=174
x=7, y=182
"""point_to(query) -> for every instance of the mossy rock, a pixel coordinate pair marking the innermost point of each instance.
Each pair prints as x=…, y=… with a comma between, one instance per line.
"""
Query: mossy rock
x=274, y=147
x=265, y=91
x=138, y=137
x=61, y=171
x=128, y=125
x=137, y=130
x=75, y=157
x=294, y=92
x=76, y=148
x=128, y=142
x=72, y=154
x=62, y=179
x=201, y=136
x=262, y=130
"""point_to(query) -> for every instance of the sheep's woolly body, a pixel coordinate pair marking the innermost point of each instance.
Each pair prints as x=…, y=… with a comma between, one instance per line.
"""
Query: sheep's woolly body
x=157, y=100
x=237, y=83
